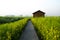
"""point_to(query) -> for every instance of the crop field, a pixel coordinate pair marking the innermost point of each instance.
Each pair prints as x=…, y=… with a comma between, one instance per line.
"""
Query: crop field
x=12, y=30
x=47, y=28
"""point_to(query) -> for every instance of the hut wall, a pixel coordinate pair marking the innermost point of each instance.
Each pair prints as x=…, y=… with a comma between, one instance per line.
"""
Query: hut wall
x=38, y=14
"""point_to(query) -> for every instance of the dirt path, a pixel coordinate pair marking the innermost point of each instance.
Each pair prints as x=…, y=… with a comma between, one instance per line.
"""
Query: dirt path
x=29, y=33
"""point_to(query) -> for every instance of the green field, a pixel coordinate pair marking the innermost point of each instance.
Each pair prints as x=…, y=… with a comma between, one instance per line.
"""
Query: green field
x=47, y=28
x=12, y=30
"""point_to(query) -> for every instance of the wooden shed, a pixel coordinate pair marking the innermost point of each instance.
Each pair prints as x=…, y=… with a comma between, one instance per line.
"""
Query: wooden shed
x=38, y=14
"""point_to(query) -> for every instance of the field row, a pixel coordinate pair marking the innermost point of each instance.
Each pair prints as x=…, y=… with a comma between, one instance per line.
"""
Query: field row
x=47, y=28
x=12, y=31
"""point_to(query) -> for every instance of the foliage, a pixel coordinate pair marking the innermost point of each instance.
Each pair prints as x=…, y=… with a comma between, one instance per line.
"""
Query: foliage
x=9, y=19
x=47, y=28
x=12, y=31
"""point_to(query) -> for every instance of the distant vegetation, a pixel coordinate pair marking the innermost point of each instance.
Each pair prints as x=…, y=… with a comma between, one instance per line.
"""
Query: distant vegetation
x=47, y=28
x=9, y=19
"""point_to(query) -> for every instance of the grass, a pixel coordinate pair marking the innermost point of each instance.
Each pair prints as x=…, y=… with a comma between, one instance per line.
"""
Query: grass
x=47, y=28
x=12, y=31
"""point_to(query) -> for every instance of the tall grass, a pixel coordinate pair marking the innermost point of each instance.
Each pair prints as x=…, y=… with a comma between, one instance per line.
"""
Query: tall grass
x=12, y=31
x=47, y=28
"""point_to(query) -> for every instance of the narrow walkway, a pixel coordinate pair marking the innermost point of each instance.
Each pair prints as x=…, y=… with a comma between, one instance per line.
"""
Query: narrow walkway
x=29, y=33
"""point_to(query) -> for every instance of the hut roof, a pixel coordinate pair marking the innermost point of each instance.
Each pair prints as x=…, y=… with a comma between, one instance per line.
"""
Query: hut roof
x=39, y=11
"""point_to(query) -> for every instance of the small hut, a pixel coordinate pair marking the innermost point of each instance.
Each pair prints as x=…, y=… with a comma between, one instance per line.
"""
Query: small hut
x=38, y=14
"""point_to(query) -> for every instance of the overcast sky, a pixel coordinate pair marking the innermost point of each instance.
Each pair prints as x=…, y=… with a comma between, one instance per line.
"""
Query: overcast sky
x=27, y=7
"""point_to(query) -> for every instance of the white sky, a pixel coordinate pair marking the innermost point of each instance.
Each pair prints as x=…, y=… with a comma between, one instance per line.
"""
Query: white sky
x=27, y=7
